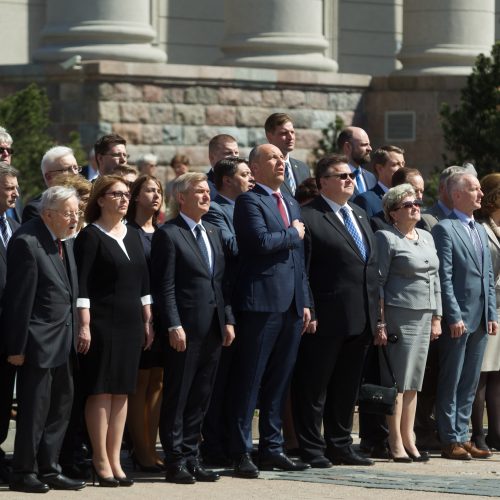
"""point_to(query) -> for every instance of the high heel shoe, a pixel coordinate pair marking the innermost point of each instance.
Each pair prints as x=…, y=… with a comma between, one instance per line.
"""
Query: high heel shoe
x=124, y=481
x=423, y=457
x=402, y=460
x=493, y=442
x=105, y=482
x=144, y=468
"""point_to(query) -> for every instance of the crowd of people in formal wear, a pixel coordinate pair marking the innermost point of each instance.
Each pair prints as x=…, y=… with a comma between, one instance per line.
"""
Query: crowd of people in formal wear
x=260, y=287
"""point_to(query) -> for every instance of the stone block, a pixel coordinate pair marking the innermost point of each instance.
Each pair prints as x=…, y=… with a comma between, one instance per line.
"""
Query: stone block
x=302, y=118
x=230, y=96
x=201, y=95
x=127, y=92
x=174, y=95
x=221, y=115
x=321, y=119
x=106, y=91
x=109, y=111
x=251, y=116
x=152, y=93
x=132, y=132
x=173, y=134
x=152, y=134
x=256, y=136
x=161, y=113
x=133, y=112
x=317, y=100
x=293, y=98
x=347, y=117
x=198, y=156
x=164, y=153
x=271, y=98
x=308, y=139
x=103, y=128
x=344, y=101
x=251, y=98
x=185, y=114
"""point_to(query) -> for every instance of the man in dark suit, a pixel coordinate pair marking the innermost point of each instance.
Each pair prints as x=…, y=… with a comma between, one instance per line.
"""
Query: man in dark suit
x=55, y=161
x=232, y=178
x=90, y=171
x=354, y=143
x=280, y=132
x=187, y=267
x=8, y=197
x=385, y=161
x=38, y=326
x=469, y=313
x=341, y=258
x=220, y=146
x=272, y=302
x=6, y=153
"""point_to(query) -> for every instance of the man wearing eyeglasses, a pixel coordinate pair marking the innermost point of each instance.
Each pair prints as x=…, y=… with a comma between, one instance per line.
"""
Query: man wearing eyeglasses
x=110, y=152
x=341, y=256
x=57, y=160
x=38, y=325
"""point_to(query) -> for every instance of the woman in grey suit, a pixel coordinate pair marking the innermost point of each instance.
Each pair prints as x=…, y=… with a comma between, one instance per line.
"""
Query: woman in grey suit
x=410, y=311
x=488, y=389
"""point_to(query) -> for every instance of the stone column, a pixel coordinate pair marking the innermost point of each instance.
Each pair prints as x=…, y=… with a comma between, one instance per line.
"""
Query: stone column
x=277, y=34
x=118, y=30
x=445, y=36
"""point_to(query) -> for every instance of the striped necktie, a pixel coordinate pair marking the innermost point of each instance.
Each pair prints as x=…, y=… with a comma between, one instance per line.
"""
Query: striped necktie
x=4, y=230
x=349, y=225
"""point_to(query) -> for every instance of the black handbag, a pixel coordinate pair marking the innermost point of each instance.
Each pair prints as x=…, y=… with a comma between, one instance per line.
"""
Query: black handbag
x=378, y=399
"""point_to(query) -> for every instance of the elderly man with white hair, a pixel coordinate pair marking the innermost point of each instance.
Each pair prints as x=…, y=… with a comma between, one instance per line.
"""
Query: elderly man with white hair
x=57, y=160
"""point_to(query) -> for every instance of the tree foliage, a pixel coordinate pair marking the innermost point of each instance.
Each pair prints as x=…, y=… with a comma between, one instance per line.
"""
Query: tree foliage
x=328, y=143
x=472, y=129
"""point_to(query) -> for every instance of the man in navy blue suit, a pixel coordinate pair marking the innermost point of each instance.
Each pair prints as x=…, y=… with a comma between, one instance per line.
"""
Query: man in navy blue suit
x=271, y=298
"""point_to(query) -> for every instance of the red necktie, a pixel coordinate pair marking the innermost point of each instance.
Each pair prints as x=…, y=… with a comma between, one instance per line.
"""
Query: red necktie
x=60, y=249
x=282, y=210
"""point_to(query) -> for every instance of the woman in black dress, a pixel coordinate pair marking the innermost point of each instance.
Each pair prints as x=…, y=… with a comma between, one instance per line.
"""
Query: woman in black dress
x=144, y=406
x=114, y=313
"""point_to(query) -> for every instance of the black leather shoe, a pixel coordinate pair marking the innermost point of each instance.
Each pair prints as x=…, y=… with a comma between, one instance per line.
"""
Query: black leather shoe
x=244, y=467
x=77, y=471
x=319, y=462
x=281, y=461
x=124, y=481
x=179, y=474
x=200, y=473
x=28, y=483
x=380, y=451
x=349, y=457
x=61, y=482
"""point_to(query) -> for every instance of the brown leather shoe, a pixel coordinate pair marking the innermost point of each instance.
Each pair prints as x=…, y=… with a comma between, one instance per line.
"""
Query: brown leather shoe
x=455, y=451
x=475, y=452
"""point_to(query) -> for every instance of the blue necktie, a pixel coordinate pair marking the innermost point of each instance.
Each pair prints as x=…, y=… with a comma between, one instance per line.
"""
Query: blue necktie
x=359, y=180
x=349, y=225
x=202, y=246
x=289, y=177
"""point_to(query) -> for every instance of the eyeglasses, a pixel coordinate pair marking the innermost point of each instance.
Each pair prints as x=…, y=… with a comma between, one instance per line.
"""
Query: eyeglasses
x=75, y=169
x=4, y=150
x=119, y=194
x=343, y=176
x=410, y=204
x=117, y=155
x=68, y=215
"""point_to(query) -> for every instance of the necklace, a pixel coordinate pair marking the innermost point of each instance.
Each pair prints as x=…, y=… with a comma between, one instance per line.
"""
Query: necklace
x=414, y=234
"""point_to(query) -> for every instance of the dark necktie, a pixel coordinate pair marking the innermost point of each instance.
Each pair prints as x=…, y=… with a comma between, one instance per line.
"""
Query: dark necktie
x=476, y=241
x=201, y=245
x=290, y=180
x=60, y=249
x=349, y=225
x=281, y=209
x=4, y=230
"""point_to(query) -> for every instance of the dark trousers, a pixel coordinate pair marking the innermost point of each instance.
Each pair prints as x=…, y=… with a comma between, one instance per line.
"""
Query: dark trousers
x=264, y=360
x=7, y=376
x=44, y=397
x=325, y=389
x=215, y=429
x=188, y=377
x=373, y=429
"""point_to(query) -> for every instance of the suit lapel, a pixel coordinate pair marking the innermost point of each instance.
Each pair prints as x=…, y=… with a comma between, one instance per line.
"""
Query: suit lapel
x=364, y=225
x=270, y=202
x=491, y=235
x=188, y=236
x=466, y=239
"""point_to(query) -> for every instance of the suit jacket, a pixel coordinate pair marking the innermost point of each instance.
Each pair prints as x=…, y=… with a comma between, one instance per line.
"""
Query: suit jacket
x=211, y=183
x=368, y=177
x=221, y=215
x=184, y=290
x=467, y=288
x=32, y=209
x=272, y=273
x=39, y=313
x=344, y=286
x=431, y=216
x=3, y=260
x=494, y=244
x=300, y=173
x=371, y=201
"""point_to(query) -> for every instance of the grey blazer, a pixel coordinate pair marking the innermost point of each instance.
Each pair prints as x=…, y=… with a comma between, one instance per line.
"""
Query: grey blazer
x=409, y=275
x=495, y=257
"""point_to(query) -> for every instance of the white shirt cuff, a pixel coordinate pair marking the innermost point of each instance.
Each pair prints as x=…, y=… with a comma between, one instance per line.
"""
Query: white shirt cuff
x=146, y=300
x=83, y=303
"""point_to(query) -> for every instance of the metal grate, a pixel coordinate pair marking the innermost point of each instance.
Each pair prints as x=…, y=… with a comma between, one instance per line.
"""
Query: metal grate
x=399, y=126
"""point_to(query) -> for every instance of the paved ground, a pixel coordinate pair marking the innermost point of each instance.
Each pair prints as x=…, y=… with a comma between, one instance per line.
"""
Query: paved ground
x=437, y=479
